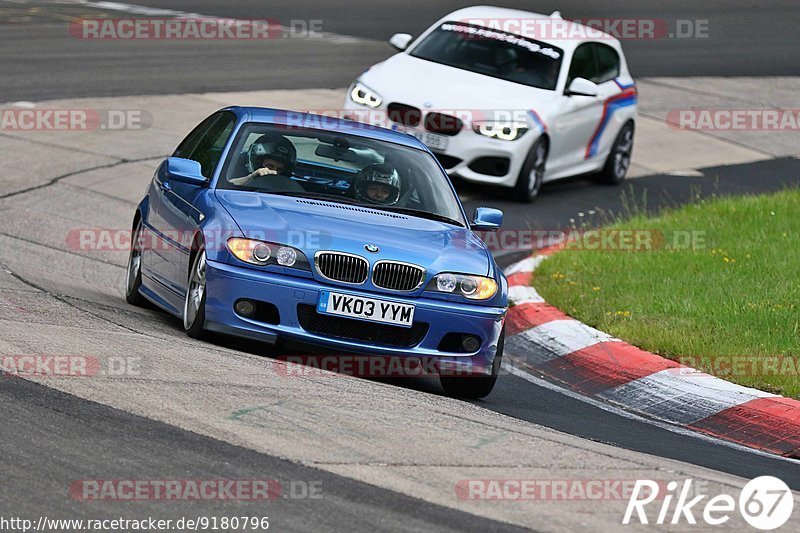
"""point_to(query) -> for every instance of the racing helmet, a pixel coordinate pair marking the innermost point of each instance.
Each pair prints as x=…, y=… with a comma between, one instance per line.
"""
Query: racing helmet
x=272, y=146
x=381, y=174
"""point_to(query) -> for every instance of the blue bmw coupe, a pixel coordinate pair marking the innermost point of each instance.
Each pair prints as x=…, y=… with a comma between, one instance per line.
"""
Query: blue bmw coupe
x=277, y=225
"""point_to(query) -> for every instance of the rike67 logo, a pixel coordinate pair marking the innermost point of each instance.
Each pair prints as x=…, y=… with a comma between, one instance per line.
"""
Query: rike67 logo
x=765, y=503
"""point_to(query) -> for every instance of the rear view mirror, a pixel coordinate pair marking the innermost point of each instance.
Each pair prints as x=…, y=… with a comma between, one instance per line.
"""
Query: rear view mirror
x=185, y=171
x=336, y=153
x=400, y=41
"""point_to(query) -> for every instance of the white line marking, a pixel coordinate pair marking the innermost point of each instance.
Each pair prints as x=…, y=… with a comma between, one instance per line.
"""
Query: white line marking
x=522, y=294
x=530, y=378
x=526, y=265
x=686, y=173
x=681, y=398
x=563, y=337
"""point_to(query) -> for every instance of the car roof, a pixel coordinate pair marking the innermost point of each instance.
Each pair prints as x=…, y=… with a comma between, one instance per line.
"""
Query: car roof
x=567, y=44
x=266, y=115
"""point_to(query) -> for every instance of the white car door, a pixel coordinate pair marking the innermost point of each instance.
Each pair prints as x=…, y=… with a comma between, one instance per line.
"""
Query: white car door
x=580, y=118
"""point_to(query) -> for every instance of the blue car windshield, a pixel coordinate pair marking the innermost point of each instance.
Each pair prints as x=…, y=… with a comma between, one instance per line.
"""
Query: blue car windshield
x=319, y=164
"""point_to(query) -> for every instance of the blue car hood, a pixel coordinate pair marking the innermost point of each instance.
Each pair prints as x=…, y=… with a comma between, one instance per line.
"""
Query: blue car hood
x=312, y=225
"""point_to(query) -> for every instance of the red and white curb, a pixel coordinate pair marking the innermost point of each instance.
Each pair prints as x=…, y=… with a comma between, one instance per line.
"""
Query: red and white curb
x=541, y=339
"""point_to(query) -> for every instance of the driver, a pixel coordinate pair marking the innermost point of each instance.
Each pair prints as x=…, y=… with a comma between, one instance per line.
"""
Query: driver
x=270, y=154
x=378, y=184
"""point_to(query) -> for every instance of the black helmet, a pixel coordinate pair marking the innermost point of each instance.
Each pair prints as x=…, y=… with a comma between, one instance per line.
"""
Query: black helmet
x=271, y=146
x=381, y=174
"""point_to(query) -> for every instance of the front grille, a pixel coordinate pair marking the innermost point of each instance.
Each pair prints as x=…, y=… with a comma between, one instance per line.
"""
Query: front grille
x=359, y=330
x=404, y=114
x=443, y=124
x=397, y=276
x=338, y=266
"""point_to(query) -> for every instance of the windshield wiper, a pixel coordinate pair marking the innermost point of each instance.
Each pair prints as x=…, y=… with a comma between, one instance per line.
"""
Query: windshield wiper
x=421, y=214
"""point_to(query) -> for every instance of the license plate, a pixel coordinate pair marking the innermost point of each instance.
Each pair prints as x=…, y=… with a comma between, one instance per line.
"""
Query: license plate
x=431, y=140
x=370, y=309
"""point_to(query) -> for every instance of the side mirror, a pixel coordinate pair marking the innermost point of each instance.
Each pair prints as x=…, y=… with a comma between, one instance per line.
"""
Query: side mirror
x=582, y=87
x=185, y=171
x=400, y=41
x=487, y=219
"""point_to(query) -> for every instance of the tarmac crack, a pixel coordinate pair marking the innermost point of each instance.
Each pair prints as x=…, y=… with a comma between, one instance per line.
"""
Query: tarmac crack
x=53, y=145
x=53, y=181
x=64, y=299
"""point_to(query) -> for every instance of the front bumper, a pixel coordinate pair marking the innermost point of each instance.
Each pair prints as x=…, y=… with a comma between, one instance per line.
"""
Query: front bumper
x=225, y=284
x=465, y=150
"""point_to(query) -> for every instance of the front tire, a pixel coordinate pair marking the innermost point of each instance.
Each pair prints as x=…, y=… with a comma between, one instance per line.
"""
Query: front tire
x=619, y=160
x=531, y=177
x=133, y=280
x=194, y=307
x=475, y=387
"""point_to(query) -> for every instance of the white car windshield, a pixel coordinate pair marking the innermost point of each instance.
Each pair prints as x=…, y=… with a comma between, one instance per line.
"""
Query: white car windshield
x=492, y=53
x=338, y=167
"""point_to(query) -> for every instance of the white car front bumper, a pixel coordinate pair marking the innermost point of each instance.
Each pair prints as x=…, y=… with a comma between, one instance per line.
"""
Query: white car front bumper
x=466, y=154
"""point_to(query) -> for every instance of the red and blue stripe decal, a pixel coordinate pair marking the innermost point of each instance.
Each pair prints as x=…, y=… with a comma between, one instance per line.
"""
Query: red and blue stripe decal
x=627, y=97
x=538, y=120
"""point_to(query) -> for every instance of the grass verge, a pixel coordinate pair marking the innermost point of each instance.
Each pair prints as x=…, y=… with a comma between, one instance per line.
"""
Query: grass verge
x=719, y=290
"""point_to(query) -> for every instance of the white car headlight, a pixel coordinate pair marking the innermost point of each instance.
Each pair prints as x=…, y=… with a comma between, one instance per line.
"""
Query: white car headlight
x=505, y=131
x=363, y=95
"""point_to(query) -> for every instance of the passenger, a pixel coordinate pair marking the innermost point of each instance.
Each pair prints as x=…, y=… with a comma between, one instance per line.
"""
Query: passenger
x=378, y=184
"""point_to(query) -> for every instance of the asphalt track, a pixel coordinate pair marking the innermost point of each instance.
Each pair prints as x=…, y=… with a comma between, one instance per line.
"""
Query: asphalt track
x=41, y=60
x=579, y=201
x=734, y=26
x=50, y=438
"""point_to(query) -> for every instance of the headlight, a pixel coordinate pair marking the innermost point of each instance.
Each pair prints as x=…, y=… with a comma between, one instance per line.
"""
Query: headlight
x=286, y=256
x=363, y=95
x=267, y=253
x=472, y=287
x=505, y=131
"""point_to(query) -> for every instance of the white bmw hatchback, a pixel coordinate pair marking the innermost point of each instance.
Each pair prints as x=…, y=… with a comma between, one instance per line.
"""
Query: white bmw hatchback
x=507, y=98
